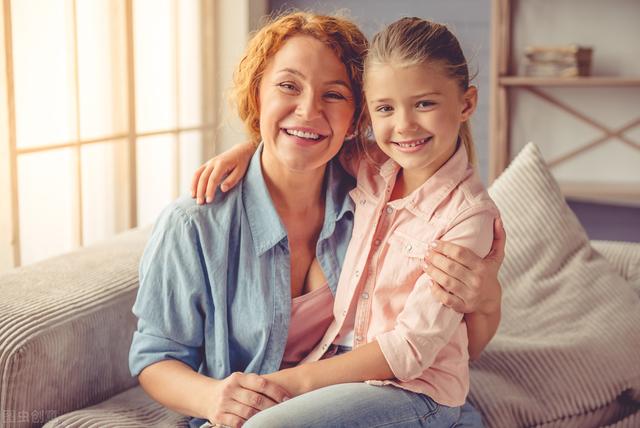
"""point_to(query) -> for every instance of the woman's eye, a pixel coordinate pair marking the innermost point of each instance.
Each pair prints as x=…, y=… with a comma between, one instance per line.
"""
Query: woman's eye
x=287, y=86
x=335, y=96
x=425, y=104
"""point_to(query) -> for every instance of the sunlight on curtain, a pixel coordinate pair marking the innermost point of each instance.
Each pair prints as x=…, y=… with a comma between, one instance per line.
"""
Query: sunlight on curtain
x=49, y=101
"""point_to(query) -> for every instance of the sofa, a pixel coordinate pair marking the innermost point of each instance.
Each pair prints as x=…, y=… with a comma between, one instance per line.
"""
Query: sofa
x=66, y=326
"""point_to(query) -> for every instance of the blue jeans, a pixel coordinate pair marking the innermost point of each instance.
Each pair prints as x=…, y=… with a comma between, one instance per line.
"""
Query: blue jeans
x=358, y=405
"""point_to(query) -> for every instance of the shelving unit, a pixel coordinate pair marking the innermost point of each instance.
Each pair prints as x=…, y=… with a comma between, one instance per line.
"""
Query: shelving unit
x=504, y=80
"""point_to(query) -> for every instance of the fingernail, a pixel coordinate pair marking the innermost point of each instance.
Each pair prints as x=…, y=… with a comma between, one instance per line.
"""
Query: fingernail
x=223, y=187
x=285, y=399
x=209, y=199
x=199, y=201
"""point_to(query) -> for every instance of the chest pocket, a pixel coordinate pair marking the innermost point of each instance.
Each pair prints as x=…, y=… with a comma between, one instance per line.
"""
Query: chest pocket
x=404, y=259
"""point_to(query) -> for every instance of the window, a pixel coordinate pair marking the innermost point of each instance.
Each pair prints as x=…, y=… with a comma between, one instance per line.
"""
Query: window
x=105, y=108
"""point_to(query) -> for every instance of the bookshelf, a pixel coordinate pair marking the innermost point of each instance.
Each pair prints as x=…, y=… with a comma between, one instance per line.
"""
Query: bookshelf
x=551, y=93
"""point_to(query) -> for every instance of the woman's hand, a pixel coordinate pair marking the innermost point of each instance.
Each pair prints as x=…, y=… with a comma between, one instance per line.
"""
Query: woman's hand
x=462, y=280
x=230, y=165
x=240, y=396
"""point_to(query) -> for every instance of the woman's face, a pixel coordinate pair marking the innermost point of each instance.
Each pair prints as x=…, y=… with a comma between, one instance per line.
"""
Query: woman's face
x=306, y=105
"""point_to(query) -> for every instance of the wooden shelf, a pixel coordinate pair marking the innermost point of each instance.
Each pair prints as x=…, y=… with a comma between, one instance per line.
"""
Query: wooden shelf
x=568, y=81
x=627, y=194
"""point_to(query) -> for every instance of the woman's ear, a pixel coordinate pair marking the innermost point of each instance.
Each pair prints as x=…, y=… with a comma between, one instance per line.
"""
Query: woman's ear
x=470, y=102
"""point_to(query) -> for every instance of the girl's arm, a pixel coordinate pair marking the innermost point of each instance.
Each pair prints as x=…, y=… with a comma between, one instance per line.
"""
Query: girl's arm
x=378, y=360
x=230, y=165
x=363, y=363
x=469, y=284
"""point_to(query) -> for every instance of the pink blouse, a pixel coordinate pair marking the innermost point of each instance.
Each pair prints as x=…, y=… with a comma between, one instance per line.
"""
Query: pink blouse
x=311, y=315
x=383, y=294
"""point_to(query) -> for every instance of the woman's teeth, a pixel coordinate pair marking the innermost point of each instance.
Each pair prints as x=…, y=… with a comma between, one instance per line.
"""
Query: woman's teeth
x=302, y=134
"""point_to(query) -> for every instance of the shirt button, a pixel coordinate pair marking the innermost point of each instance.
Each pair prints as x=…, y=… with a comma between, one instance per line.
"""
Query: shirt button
x=344, y=313
x=377, y=242
x=324, y=346
x=359, y=338
x=389, y=210
x=362, y=202
x=365, y=295
x=409, y=247
x=357, y=274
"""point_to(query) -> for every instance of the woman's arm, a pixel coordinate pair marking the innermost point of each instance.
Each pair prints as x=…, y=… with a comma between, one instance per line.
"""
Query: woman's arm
x=469, y=284
x=230, y=401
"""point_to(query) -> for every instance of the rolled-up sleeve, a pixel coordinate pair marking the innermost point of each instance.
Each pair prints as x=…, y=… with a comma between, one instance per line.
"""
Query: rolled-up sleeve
x=425, y=325
x=172, y=295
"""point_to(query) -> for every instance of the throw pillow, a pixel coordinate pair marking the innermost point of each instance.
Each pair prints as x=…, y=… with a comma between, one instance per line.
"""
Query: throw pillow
x=567, y=352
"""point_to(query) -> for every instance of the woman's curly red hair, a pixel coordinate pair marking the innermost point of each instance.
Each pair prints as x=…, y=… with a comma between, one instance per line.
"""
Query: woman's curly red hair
x=340, y=34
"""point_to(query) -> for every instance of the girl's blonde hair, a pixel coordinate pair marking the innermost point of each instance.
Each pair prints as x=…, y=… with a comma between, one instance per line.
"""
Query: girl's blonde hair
x=341, y=35
x=413, y=41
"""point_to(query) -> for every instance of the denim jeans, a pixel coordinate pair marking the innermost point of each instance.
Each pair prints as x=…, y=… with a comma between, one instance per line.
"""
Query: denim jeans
x=357, y=405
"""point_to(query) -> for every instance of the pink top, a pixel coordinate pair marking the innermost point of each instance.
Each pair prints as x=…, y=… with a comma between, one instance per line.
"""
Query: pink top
x=311, y=314
x=383, y=293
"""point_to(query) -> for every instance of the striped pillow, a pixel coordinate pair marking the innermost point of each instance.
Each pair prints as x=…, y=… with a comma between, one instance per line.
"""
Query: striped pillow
x=567, y=352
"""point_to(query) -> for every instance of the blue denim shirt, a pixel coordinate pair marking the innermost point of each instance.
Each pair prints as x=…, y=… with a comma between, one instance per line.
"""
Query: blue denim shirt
x=215, y=279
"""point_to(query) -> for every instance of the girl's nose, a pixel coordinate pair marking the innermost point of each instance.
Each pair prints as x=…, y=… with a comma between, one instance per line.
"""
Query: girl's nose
x=405, y=123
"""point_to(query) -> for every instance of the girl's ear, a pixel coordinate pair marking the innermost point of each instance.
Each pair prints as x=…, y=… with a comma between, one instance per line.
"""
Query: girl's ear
x=470, y=102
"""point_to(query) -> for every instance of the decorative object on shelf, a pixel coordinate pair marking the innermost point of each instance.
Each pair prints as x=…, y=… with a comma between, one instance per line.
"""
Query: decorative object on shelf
x=558, y=61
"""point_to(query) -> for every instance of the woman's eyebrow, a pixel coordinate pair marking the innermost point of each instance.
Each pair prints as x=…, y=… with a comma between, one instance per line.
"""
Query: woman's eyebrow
x=302, y=75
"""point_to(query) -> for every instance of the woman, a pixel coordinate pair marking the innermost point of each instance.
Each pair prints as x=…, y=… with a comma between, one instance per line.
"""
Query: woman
x=217, y=281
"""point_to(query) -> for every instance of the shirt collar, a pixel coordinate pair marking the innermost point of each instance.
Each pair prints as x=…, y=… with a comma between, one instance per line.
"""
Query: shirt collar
x=426, y=198
x=266, y=227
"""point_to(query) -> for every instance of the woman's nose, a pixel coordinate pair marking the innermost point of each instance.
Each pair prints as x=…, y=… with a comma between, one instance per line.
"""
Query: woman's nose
x=308, y=108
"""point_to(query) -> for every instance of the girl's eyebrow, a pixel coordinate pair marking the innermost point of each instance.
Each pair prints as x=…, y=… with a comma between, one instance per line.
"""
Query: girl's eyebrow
x=426, y=94
x=302, y=76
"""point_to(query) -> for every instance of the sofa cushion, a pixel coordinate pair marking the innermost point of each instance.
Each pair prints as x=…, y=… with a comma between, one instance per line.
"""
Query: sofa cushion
x=55, y=353
x=132, y=408
x=566, y=352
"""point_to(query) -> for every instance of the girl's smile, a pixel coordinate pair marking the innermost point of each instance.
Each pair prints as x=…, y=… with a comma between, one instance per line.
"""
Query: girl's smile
x=416, y=112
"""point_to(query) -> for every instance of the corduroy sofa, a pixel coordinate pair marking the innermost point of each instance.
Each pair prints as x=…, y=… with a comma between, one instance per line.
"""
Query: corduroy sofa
x=66, y=326
x=65, y=330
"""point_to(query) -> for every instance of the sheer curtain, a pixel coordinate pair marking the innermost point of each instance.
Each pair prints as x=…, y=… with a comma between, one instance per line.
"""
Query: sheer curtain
x=106, y=106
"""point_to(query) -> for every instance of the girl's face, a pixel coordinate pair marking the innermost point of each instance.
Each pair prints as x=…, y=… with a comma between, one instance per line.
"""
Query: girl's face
x=416, y=113
x=306, y=105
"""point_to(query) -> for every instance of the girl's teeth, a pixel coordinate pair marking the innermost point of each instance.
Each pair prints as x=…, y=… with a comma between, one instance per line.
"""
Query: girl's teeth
x=417, y=143
x=302, y=134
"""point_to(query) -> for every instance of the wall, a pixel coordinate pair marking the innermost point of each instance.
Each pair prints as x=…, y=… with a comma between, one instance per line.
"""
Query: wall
x=470, y=20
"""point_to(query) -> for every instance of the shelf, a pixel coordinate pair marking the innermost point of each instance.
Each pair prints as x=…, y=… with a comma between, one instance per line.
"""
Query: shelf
x=568, y=81
x=607, y=193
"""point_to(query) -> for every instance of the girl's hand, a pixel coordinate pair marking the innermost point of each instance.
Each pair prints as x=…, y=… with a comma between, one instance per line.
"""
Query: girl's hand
x=240, y=396
x=233, y=164
x=462, y=280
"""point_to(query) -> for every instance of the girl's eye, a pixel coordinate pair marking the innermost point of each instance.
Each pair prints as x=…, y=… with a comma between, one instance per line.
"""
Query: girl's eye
x=425, y=104
x=384, y=109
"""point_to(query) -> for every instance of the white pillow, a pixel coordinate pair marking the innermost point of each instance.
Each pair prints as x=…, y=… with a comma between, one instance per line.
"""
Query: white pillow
x=567, y=352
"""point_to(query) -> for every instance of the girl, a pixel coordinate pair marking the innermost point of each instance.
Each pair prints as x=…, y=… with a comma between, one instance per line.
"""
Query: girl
x=419, y=100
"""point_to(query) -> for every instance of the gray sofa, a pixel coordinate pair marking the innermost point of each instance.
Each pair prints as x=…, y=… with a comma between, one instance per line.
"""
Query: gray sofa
x=65, y=330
